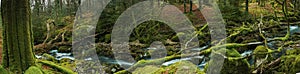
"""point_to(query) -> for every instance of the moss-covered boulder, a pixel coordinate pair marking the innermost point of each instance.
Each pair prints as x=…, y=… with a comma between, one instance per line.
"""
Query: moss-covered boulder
x=182, y=67
x=33, y=70
x=230, y=66
x=146, y=70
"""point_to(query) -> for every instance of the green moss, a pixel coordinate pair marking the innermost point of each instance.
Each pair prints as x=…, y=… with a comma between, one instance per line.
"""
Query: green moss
x=107, y=37
x=293, y=52
x=49, y=57
x=60, y=68
x=146, y=70
x=182, y=67
x=231, y=66
x=33, y=70
x=290, y=64
x=260, y=52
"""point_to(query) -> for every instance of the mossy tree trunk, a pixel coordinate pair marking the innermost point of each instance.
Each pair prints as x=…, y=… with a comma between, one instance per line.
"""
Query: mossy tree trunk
x=17, y=36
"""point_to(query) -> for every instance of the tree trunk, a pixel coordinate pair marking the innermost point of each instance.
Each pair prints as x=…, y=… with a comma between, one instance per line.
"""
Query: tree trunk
x=247, y=6
x=191, y=6
x=17, y=36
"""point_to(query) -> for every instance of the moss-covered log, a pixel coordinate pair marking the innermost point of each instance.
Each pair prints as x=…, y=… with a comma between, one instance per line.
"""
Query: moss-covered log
x=17, y=35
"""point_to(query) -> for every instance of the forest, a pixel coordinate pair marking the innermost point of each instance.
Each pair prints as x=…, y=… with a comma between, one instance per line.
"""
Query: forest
x=150, y=37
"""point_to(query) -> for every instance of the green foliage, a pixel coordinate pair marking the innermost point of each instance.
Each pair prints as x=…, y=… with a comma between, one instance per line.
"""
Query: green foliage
x=3, y=70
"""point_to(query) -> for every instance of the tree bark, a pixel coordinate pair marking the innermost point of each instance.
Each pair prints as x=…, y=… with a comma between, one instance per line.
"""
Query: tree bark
x=17, y=36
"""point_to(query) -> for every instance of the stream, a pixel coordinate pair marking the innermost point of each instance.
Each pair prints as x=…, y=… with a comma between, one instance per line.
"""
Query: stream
x=272, y=45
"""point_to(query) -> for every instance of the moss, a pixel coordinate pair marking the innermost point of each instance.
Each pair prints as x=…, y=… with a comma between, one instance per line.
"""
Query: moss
x=293, y=52
x=182, y=67
x=107, y=37
x=33, y=70
x=260, y=52
x=49, y=57
x=146, y=70
x=290, y=64
x=231, y=66
x=60, y=68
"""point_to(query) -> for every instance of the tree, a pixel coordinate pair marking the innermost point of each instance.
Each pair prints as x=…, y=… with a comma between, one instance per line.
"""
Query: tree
x=17, y=36
x=247, y=6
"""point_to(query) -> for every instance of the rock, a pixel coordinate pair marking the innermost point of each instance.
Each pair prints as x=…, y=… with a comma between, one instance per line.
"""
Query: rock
x=230, y=66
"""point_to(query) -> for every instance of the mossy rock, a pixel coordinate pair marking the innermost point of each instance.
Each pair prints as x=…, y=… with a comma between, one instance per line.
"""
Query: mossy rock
x=230, y=66
x=33, y=70
x=182, y=67
x=146, y=70
x=290, y=64
x=260, y=52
